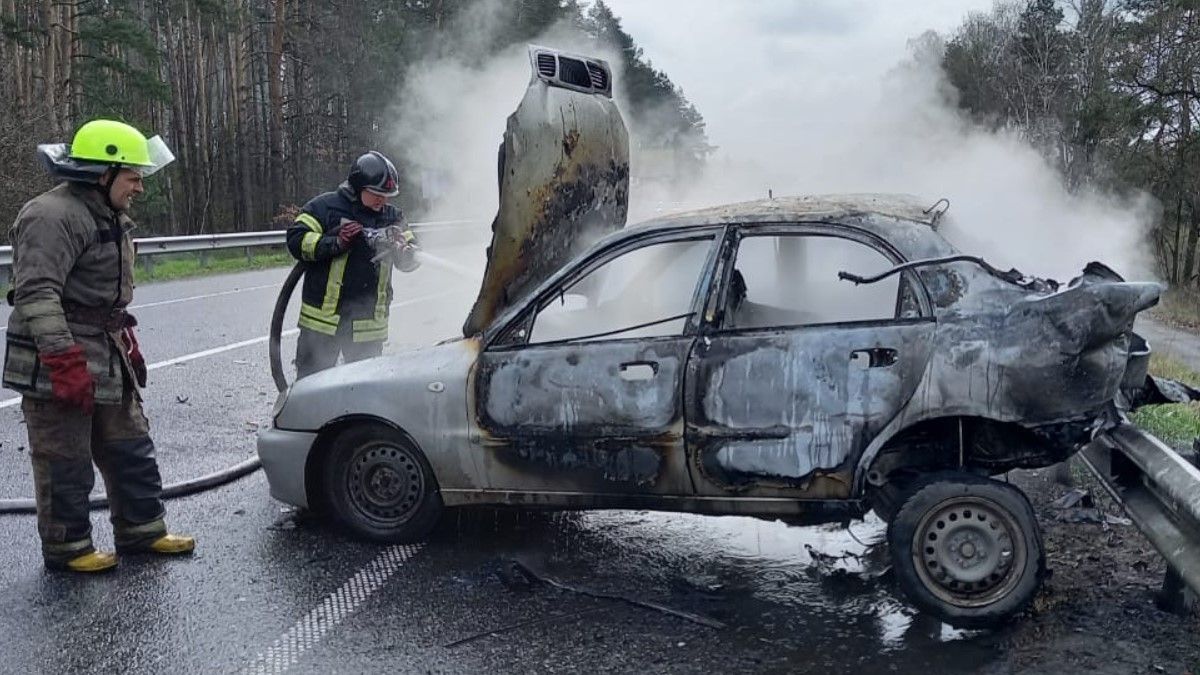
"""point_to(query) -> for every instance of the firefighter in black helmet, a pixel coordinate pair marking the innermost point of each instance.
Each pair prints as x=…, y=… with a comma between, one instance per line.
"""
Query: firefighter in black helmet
x=346, y=295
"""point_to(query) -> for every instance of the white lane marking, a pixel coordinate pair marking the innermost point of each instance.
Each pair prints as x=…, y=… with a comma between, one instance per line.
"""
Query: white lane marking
x=206, y=296
x=10, y=402
x=308, y=631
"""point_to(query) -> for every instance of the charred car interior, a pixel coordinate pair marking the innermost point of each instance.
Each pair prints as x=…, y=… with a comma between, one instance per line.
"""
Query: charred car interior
x=808, y=359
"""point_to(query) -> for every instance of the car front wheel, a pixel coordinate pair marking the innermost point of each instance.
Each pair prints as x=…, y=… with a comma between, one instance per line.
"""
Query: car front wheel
x=379, y=485
x=967, y=549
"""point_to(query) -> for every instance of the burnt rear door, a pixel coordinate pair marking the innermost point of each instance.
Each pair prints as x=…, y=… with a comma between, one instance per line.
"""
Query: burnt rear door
x=799, y=369
x=585, y=393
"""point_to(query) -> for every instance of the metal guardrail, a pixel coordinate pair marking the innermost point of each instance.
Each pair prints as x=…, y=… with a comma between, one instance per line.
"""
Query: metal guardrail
x=201, y=243
x=1160, y=490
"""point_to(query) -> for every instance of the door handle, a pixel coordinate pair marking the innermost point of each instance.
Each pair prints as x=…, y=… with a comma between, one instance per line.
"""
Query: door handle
x=635, y=371
x=876, y=357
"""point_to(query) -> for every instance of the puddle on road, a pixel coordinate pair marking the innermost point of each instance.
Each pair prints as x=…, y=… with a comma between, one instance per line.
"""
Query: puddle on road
x=821, y=591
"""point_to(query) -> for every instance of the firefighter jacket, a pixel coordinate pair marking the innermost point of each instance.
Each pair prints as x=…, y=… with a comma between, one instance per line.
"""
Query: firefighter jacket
x=72, y=269
x=342, y=286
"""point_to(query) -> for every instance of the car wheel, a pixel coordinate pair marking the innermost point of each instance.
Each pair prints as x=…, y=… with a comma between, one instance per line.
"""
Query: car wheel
x=379, y=485
x=967, y=549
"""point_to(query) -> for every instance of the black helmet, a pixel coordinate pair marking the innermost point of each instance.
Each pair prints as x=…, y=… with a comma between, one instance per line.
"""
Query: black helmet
x=376, y=173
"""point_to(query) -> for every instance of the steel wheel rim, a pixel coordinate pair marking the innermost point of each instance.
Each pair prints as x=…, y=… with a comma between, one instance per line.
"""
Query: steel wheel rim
x=969, y=551
x=385, y=483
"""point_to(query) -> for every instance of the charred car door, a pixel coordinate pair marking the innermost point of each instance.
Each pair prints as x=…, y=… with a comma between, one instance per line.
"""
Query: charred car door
x=583, y=391
x=797, y=370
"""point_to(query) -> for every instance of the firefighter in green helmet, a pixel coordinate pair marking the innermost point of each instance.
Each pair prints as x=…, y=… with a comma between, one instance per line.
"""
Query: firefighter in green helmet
x=72, y=353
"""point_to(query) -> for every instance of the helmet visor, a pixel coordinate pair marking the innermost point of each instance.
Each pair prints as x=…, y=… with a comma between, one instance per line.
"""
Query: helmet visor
x=383, y=193
x=160, y=156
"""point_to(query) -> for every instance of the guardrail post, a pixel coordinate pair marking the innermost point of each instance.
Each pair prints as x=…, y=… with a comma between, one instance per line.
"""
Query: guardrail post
x=1175, y=596
x=148, y=262
x=203, y=259
x=5, y=278
x=249, y=256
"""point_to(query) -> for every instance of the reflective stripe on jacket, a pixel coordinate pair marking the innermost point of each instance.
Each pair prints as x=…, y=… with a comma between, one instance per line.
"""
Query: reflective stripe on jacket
x=342, y=286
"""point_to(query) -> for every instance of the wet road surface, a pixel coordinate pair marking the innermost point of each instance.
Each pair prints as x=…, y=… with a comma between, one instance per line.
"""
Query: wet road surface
x=270, y=592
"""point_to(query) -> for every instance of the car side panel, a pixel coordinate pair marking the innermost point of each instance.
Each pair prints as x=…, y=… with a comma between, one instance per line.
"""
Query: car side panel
x=787, y=412
x=564, y=416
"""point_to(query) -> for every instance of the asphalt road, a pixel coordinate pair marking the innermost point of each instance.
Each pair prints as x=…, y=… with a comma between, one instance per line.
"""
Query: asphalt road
x=269, y=592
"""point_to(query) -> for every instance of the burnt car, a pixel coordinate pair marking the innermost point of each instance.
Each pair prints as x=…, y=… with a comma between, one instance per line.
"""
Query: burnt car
x=805, y=359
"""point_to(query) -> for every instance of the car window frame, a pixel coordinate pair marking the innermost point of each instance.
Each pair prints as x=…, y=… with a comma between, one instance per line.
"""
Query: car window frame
x=714, y=318
x=505, y=338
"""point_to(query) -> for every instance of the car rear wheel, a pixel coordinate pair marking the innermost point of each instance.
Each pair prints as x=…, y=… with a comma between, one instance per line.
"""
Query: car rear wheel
x=379, y=485
x=967, y=549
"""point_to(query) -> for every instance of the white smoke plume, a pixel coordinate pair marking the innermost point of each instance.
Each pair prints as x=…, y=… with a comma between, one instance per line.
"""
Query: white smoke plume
x=903, y=133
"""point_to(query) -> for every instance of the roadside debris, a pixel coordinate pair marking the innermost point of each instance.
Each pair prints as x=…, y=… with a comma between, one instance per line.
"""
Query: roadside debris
x=1092, y=517
x=1074, y=498
x=1078, y=506
x=524, y=569
x=289, y=520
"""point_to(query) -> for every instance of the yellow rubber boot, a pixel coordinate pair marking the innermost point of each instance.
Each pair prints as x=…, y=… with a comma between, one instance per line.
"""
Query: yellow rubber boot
x=88, y=563
x=172, y=544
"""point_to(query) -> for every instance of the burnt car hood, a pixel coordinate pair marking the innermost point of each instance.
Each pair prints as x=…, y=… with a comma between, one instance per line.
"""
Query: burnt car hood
x=997, y=343
x=564, y=179
x=1090, y=311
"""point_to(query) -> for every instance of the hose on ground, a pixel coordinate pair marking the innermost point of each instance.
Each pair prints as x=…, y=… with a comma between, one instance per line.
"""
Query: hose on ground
x=180, y=489
x=226, y=475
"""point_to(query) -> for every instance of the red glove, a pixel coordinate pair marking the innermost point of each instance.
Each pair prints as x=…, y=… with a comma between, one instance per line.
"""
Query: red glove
x=134, y=351
x=347, y=233
x=69, y=377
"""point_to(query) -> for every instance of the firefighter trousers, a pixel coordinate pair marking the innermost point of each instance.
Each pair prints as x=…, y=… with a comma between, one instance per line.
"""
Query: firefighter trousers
x=316, y=351
x=63, y=444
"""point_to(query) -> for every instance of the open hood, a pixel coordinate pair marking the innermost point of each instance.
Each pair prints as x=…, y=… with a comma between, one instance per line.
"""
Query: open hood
x=564, y=178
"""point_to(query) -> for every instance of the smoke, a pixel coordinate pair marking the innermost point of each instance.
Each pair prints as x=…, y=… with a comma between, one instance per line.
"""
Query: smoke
x=814, y=114
x=903, y=133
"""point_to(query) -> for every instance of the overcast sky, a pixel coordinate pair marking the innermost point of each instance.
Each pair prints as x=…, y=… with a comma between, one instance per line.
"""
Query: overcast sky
x=732, y=57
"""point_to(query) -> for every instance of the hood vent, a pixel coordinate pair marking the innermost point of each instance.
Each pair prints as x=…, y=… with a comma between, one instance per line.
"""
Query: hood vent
x=571, y=71
x=546, y=65
x=599, y=77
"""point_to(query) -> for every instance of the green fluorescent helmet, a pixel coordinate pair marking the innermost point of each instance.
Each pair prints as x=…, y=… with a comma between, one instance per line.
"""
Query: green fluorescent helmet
x=110, y=142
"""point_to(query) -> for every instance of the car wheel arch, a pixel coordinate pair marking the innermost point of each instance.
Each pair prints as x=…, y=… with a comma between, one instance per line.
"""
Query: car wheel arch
x=884, y=457
x=318, y=458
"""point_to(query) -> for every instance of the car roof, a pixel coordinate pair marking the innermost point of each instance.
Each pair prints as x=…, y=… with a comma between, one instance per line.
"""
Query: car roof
x=908, y=223
x=808, y=208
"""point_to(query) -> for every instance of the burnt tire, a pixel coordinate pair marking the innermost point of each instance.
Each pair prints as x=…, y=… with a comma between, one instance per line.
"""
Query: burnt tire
x=379, y=486
x=967, y=549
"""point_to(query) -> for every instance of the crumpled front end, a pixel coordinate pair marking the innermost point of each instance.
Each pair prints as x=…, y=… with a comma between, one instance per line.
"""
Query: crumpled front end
x=1050, y=360
x=564, y=179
